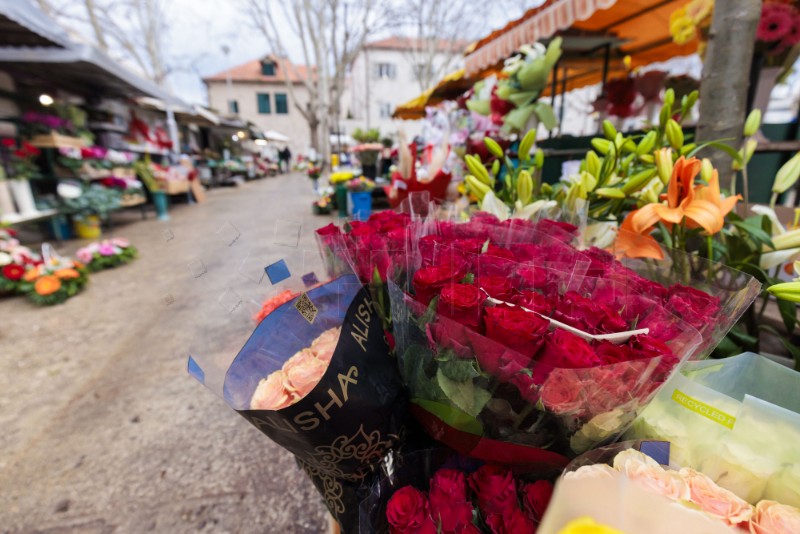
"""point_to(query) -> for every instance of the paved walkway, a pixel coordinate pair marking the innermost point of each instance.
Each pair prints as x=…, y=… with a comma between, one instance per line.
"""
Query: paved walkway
x=102, y=428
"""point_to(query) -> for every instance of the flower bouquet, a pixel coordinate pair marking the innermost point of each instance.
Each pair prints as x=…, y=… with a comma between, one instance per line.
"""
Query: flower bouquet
x=314, y=172
x=14, y=260
x=631, y=490
x=736, y=420
x=106, y=254
x=360, y=185
x=437, y=491
x=512, y=353
x=314, y=374
x=323, y=206
x=53, y=281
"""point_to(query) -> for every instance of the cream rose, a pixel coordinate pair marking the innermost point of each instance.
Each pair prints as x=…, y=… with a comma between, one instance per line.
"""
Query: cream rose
x=771, y=517
x=325, y=344
x=736, y=467
x=591, y=471
x=715, y=500
x=646, y=473
x=271, y=393
x=302, y=372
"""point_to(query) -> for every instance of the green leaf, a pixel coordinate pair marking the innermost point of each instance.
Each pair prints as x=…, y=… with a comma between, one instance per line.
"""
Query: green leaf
x=376, y=278
x=468, y=279
x=732, y=152
x=727, y=348
x=545, y=114
x=451, y=415
x=794, y=350
x=522, y=98
x=457, y=369
x=755, y=232
x=788, y=314
x=465, y=395
x=416, y=360
x=747, y=341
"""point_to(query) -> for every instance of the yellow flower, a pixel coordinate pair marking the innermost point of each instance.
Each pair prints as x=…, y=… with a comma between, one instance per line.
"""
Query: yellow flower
x=587, y=525
x=681, y=27
x=697, y=10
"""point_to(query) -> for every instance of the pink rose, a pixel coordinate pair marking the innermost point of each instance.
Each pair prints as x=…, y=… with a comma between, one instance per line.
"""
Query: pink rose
x=324, y=345
x=771, y=517
x=302, y=372
x=646, y=472
x=271, y=393
x=715, y=500
x=592, y=471
x=562, y=392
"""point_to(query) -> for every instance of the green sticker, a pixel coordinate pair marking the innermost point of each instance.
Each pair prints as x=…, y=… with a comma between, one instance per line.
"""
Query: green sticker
x=706, y=410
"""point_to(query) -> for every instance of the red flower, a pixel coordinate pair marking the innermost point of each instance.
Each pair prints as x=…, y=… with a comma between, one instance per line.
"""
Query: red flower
x=494, y=487
x=776, y=22
x=696, y=307
x=498, y=287
x=8, y=142
x=462, y=303
x=514, y=522
x=535, y=301
x=566, y=351
x=21, y=154
x=407, y=510
x=535, y=498
x=30, y=149
x=429, y=281
x=515, y=328
x=533, y=277
x=562, y=392
x=13, y=272
x=588, y=315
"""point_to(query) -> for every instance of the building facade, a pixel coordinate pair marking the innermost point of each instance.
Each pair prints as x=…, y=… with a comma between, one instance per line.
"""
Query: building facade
x=387, y=73
x=256, y=91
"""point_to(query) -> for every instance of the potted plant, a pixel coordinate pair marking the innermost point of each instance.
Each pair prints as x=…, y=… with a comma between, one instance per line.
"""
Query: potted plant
x=106, y=254
x=89, y=208
x=360, y=190
x=368, y=150
x=21, y=167
x=314, y=172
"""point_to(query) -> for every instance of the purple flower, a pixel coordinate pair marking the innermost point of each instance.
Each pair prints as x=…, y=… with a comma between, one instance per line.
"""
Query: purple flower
x=106, y=249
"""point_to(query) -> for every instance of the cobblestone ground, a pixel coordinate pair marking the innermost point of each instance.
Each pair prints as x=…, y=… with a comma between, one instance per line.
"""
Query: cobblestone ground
x=102, y=428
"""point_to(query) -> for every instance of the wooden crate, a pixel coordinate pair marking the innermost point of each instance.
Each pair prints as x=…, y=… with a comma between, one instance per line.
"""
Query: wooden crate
x=174, y=187
x=124, y=172
x=57, y=140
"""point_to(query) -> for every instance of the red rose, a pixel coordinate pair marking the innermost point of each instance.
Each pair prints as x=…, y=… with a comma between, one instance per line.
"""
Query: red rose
x=8, y=142
x=494, y=487
x=535, y=301
x=496, y=261
x=370, y=254
x=427, y=248
x=600, y=261
x=498, y=287
x=587, y=315
x=556, y=228
x=696, y=307
x=564, y=350
x=462, y=303
x=471, y=245
x=429, y=281
x=650, y=347
x=449, y=484
x=532, y=277
x=515, y=328
x=450, y=516
x=610, y=353
x=449, y=334
x=535, y=498
x=515, y=522
x=13, y=272
x=562, y=392
x=407, y=510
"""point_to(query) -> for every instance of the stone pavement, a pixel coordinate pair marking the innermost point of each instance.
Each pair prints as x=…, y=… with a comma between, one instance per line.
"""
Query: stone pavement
x=103, y=430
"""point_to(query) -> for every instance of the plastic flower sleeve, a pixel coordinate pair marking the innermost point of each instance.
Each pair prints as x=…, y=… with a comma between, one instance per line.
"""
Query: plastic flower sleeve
x=737, y=420
x=299, y=351
x=503, y=361
x=592, y=489
x=690, y=279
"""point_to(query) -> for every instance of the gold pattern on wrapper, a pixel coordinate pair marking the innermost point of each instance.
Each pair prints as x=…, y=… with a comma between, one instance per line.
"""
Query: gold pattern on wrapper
x=306, y=308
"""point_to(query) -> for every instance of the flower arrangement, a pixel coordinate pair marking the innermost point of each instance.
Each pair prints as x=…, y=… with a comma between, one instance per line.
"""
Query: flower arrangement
x=360, y=185
x=42, y=123
x=54, y=282
x=323, y=205
x=314, y=172
x=491, y=499
x=20, y=160
x=106, y=254
x=14, y=260
x=339, y=177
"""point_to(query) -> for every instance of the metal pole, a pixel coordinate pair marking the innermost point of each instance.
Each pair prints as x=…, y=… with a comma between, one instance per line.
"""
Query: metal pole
x=563, y=98
x=553, y=89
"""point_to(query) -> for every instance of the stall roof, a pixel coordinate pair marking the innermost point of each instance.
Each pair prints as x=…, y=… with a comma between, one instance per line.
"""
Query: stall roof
x=22, y=24
x=642, y=26
x=83, y=69
x=191, y=113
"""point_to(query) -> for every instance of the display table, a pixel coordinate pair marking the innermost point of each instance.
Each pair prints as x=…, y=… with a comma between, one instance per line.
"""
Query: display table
x=17, y=218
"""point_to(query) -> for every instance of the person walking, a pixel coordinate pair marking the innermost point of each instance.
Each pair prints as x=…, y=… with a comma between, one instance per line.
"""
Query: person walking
x=285, y=156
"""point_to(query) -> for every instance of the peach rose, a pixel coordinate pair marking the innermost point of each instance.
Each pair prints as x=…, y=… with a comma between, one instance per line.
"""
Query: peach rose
x=715, y=500
x=774, y=518
x=648, y=474
x=591, y=471
x=302, y=372
x=325, y=344
x=271, y=393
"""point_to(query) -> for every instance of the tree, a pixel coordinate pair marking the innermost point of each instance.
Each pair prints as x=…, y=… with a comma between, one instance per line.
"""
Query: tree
x=438, y=34
x=330, y=34
x=726, y=76
x=127, y=29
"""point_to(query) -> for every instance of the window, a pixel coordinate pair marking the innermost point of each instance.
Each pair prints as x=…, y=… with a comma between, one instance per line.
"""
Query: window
x=384, y=71
x=281, y=104
x=422, y=72
x=233, y=107
x=268, y=68
x=263, y=103
x=385, y=110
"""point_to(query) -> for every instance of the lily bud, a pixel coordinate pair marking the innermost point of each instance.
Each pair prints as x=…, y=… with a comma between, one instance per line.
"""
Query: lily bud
x=674, y=134
x=664, y=164
x=608, y=130
x=524, y=187
x=538, y=158
x=476, y=187
x=706, y=170
x=752, y=123
x=493, y=147
x=787, y=175
x=593, y=163
x=601, y=145
x=786, y=291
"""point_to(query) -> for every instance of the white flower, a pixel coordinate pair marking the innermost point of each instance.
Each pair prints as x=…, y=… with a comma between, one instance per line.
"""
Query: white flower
x=5, y=258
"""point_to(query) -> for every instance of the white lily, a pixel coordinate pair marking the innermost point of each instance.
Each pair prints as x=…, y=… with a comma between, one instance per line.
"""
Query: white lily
x=781, y=238
x=495, y=206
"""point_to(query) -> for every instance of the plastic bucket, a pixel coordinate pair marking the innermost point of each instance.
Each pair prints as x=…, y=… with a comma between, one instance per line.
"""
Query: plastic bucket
x=361, y=205
x=87, y=227
x=341, y=199
x=161, y=204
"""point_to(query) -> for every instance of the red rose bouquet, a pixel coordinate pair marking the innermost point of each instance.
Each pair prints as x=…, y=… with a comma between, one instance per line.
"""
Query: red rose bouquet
x=439, y=492
x=513, y=350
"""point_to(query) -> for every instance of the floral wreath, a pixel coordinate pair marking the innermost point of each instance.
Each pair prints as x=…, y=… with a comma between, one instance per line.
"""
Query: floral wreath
x=106, y=254
x=54, y=282
x=14, y=260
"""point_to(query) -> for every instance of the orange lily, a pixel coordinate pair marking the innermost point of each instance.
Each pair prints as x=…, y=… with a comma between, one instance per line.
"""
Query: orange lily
x=635, y=244
x=683, y=202
x=711, y=193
